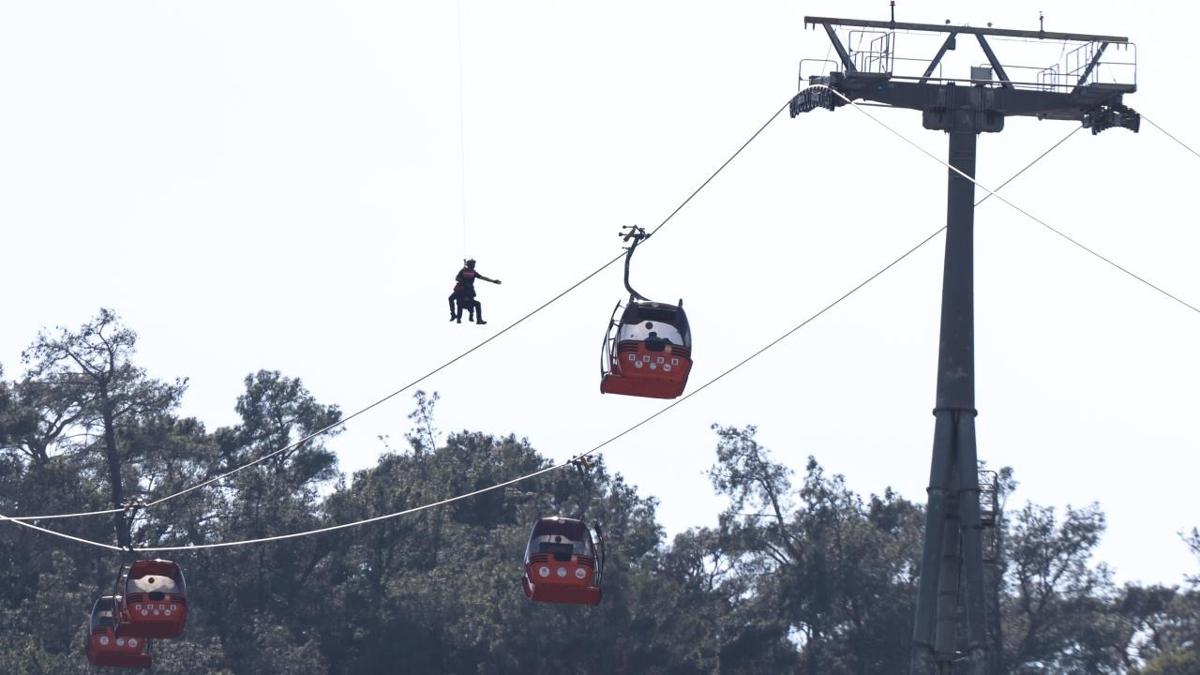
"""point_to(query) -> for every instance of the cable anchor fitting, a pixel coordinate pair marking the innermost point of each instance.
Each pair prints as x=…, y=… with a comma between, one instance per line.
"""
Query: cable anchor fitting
x=584, y=463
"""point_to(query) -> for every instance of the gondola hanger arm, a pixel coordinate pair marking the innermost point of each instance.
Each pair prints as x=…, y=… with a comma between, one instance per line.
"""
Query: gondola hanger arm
x=632, y=235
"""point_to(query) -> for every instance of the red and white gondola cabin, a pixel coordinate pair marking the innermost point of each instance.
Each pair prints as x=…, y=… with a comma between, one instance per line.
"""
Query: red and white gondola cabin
x=561, y=564
x=155, y=599
x=648, y=352
x=108, y=644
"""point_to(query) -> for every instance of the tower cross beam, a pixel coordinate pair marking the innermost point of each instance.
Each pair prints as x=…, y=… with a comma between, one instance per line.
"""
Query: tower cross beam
x=946, y=28
x=1074, y=105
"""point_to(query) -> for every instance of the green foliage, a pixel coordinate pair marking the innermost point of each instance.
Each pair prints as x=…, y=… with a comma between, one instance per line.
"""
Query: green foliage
x=1059, y=613
x=829, y=576
x=800, y=574
x=1174, y=663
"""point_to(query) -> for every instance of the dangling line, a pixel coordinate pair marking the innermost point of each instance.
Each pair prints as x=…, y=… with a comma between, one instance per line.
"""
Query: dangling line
x=462, y=146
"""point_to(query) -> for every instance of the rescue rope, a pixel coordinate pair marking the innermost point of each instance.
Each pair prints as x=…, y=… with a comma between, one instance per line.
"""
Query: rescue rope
x=462, y=142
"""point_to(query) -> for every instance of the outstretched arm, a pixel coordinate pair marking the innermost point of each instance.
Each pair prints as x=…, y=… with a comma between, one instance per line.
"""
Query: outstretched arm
x=480, y=276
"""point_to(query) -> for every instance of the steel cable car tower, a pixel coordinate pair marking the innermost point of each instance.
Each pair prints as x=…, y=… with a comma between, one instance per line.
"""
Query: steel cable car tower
x=951, y=587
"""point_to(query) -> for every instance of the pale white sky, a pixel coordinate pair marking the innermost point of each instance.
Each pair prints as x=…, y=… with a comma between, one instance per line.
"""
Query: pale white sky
x=277, y=185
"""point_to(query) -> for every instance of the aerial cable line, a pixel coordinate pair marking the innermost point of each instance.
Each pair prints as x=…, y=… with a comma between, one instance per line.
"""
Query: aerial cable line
x=539, y=472
x=719, y=169
x=1170, y=135
x=82, y=514
x=56, y=533
x=417, y=381
x=574, y=459
x=434, y=371
x=992, y=193
x=1029, y=165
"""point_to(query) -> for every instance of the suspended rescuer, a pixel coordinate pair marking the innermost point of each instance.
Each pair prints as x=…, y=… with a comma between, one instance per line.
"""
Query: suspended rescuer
x=463, y=296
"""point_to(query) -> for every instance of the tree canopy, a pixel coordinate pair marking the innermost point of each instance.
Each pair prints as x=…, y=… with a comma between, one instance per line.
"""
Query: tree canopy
x=799, y=574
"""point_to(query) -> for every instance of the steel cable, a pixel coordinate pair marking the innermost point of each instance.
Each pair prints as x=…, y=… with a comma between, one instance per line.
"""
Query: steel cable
x=593, y=450
x=1039, y=221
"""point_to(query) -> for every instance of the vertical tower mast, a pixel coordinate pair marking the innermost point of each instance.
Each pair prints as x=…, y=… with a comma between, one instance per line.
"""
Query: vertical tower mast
x=950, y=591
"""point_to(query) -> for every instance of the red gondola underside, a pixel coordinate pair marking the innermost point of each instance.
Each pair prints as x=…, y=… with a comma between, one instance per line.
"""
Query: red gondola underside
x=151, y=618
x=568, y=582
x=106, y=648
x=639, y=371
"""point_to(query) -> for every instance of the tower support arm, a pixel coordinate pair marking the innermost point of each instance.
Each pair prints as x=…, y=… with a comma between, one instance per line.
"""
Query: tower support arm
x=991, y=57
x=947, y=45
x=843, y=55
x=1091, y=65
